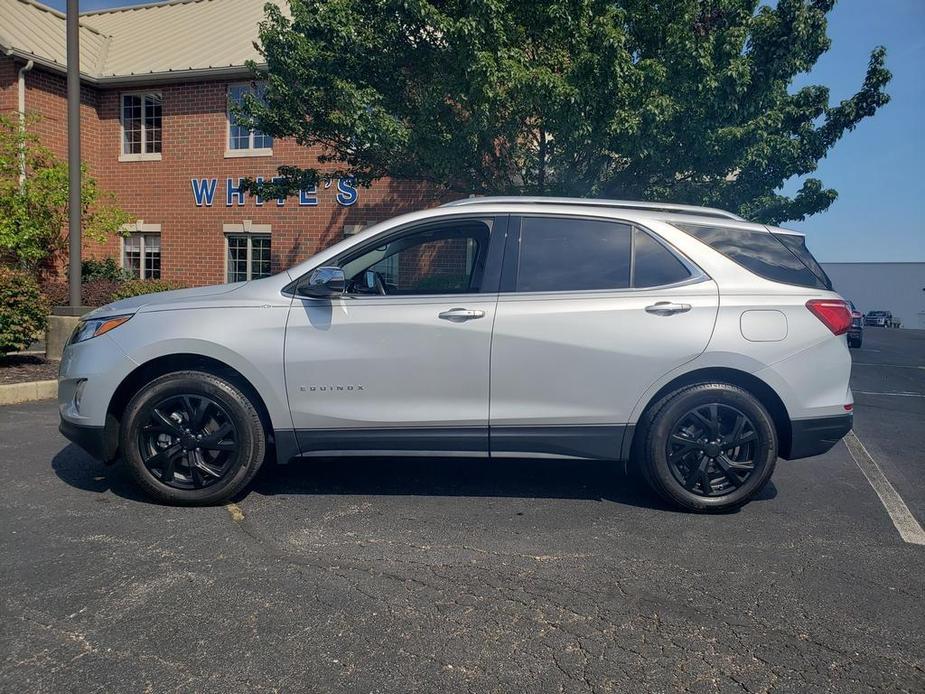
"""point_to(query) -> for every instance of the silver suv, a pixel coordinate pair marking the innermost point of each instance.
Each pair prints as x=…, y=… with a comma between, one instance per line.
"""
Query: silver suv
x=685, y=340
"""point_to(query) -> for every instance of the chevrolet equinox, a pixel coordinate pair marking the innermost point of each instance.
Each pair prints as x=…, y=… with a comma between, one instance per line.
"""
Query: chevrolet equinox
x=685, y=340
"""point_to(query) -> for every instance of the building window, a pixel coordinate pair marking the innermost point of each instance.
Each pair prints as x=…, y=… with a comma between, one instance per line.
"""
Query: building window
x=243, y=141
x=248, y=256
x=141, y=255
x=141, y=126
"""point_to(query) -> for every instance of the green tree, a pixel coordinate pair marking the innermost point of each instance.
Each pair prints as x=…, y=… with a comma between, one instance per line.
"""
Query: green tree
x=34, y=210
x=678, y=100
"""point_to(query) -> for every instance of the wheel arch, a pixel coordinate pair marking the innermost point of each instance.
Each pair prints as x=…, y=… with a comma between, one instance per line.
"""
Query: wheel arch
x=748, y=382
x=158, y=366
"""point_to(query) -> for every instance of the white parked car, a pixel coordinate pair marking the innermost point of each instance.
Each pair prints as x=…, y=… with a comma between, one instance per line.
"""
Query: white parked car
x=697, y=345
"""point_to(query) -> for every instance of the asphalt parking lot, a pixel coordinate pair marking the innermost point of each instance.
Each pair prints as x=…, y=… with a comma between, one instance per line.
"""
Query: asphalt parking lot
x=445, y=576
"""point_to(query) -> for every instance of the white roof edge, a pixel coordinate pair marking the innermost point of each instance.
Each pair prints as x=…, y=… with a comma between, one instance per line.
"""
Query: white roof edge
x=599, y=202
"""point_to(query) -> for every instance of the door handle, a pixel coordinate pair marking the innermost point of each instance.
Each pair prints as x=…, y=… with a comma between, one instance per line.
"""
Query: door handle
x=667, y=308
x=461, y=314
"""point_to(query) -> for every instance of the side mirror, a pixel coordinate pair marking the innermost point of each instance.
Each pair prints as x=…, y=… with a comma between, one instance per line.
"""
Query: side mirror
x=324, y=282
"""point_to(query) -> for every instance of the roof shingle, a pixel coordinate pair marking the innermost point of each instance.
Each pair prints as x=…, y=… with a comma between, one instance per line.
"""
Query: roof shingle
x=138, y=41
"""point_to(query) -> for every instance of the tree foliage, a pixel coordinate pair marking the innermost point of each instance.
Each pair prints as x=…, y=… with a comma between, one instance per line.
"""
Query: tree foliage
x=34, y=212
x=677, y=100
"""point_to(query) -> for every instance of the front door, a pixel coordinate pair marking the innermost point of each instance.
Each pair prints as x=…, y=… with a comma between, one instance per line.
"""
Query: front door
x=591, y=312
x=400, y=362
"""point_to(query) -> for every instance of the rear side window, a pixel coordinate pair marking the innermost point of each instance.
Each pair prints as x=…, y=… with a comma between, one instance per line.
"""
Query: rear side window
x=561, y=254
x=797, y=245
x=762, y=253
x=653, y=264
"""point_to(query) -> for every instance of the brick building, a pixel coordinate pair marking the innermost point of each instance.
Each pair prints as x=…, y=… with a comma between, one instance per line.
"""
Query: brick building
x=155, y=130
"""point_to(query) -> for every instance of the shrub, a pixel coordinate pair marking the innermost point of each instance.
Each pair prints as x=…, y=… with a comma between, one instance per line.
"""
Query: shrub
x=139, y=287
x=106, y=269
x=22, y=310
x=55, y=292
x=93, y=293
x=99, y=292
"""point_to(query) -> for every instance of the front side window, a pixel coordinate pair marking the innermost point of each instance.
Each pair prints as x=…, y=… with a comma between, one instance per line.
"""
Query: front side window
x=240, y=137
x=560, y=254
x=441, y=259
x=248, y=257
x=141, y=124
x=141, y=255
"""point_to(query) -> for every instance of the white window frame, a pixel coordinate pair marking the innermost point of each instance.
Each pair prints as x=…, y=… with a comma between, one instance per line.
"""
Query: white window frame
x=142, y=230
x=249, y=230
x=143, y=156
x=251, y=151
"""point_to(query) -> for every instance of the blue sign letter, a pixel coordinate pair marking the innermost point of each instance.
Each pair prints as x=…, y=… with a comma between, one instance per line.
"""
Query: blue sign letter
x=203, y=191
x=279, y=201
x=258, y=201
x=346, y=192
x=233, y=193
x=309, y=196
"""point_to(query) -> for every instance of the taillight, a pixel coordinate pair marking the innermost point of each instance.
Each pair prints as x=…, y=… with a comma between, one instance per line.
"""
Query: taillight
x=835, y=314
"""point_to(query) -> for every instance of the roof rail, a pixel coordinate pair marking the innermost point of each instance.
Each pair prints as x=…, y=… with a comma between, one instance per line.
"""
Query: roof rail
x=594, y=202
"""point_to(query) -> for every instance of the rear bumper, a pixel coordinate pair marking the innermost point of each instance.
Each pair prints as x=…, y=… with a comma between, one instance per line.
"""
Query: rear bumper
x=816, y=436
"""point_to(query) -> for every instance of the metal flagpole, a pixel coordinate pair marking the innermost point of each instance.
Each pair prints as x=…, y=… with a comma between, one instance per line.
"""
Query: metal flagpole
x=73, y=151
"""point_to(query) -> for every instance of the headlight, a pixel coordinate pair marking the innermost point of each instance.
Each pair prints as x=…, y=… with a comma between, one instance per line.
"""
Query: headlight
x=96, y=327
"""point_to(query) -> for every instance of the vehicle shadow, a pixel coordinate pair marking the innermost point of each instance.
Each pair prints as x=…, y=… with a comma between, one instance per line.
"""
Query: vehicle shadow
x=447, y=477
x=76, y=468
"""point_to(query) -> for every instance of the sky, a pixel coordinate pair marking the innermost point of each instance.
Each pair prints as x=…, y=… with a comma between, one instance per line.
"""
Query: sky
x=879, y=168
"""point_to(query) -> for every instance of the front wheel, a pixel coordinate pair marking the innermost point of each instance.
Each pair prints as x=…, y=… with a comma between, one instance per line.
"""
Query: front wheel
x=192, y=437
x=709, y=447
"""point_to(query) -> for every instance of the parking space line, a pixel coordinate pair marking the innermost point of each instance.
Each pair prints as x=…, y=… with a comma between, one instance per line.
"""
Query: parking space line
x=892, y=366
x=909, y=529
x=898, y=395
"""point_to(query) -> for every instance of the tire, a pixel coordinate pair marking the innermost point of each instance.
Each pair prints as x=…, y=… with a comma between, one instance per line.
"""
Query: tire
x=684, y=459
x=192, y=438
x=855, y=343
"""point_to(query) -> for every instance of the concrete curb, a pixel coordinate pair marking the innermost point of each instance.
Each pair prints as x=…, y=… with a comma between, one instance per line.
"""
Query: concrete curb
x=14, y=393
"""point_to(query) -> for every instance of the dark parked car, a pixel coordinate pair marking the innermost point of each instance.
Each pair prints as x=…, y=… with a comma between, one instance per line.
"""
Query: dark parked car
x=879, y=319
x=856, y=331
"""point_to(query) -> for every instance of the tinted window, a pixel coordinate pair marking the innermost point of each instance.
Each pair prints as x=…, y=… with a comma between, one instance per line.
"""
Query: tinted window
x=653, y=264
x=436, y=260
x=796, y=244
x=757, y=251
x=559, y=254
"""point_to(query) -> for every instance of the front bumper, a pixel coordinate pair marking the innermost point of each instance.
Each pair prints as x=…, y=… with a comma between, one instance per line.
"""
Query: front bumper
x=91, y=439
x=816, y=436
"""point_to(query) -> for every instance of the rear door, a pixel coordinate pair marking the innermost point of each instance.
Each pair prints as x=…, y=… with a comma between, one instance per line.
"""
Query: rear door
x=591, y=312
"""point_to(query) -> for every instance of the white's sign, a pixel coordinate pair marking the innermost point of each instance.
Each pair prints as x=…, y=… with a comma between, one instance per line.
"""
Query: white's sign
x=204, y=193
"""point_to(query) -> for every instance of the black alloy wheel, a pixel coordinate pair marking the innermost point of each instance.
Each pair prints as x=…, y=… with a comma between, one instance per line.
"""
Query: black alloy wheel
x=711, y=450
x=193, y=437
x=188, y=442
x=707, y=446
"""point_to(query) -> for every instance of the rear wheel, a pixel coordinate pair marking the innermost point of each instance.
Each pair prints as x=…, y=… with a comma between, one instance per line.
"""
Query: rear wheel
x=709, y=447
x=192, y=437
x=854, y=342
